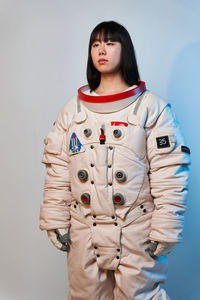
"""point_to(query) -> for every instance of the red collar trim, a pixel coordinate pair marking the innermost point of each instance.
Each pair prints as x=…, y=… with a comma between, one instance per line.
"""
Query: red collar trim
x=110, y=98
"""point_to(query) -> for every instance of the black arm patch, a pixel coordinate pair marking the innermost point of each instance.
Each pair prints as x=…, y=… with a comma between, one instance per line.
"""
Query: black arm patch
x=185, y=149
x=163, y=141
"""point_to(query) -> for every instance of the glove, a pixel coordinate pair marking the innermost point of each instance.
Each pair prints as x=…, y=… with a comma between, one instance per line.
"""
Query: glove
x=156, y=249
x=60, y=238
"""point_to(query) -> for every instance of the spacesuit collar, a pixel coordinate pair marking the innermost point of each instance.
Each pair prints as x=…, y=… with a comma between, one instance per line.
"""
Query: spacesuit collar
x=109, y=103
x=110, y=98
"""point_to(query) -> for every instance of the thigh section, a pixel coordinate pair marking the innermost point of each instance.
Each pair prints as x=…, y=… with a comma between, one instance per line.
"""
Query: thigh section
x=139, y=276
x=86, y=279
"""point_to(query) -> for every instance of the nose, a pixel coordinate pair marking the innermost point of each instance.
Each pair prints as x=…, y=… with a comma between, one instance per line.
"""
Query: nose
x=102, y=49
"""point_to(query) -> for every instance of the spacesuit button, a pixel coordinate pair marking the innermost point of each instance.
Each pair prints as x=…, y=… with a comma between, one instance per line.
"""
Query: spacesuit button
x=116, y=224
x=110, y=183
x=92, y=147
x=74, y=205
x=110, y=147
x=94, y=216
x=109, y=166
x=118, y=249
x=83, y=175
x=91, y=165
x=141, y=206
x=87, y=132
x=113, y=217
x=92, y=182
x=94, y=224
x=98, y=255
x=117, y=257
x=120, y=175
x=85, y=198
x=144, y=210
x=118, y=199
x=95, y=247
x=117, y=133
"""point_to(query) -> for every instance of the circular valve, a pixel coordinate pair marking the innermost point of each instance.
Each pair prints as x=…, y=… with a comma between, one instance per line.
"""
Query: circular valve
x=118, y=199
x=83, y=175
x=120, y=175
x=87, y=132
x=85, y=198
x=117, y=133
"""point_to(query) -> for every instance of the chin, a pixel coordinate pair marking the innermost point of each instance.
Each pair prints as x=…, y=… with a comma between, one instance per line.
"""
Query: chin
x=107, y=70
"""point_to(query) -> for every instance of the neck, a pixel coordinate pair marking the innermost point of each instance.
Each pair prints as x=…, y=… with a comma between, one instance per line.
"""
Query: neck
x=111, y=84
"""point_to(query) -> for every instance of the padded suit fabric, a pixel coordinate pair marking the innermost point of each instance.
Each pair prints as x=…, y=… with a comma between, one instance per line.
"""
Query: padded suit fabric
x=107, y=260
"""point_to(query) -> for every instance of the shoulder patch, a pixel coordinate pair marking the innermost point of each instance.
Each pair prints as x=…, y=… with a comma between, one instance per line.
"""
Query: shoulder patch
x=163, y=141
x=75, y=145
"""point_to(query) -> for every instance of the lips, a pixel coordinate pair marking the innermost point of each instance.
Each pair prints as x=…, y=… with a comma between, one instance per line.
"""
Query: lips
x=102, y=60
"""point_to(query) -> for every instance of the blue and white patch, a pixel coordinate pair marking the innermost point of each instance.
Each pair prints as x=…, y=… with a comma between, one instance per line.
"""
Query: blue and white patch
x=75, y=145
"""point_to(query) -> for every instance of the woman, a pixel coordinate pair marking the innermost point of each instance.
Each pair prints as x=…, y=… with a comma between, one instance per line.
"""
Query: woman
x=116, y=180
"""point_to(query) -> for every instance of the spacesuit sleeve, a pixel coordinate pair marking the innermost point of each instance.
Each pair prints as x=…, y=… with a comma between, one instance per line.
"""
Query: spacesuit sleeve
x=169, y=160
x=55, y=207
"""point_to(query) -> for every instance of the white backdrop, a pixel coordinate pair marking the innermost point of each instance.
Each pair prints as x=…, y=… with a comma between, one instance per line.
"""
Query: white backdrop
x=43, y=56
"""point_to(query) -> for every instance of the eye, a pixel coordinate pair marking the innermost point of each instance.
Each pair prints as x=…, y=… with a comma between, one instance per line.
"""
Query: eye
x=110, y=43
x=95, y=45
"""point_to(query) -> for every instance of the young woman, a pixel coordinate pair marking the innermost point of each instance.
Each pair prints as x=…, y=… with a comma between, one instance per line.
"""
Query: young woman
x=116, y=180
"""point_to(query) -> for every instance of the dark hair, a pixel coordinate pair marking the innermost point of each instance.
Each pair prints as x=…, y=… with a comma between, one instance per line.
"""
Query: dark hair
x=114, y=31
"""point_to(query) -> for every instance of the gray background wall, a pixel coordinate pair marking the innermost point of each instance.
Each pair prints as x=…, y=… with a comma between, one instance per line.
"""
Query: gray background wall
x=43, y=55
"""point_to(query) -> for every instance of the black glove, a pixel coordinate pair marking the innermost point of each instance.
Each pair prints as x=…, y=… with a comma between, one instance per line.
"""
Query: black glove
x=60, y=238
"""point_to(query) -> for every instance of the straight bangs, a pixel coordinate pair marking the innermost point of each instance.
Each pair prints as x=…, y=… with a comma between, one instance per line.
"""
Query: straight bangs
x=105, y=34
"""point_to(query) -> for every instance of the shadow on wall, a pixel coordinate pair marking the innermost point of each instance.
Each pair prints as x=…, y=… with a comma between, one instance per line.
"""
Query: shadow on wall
x=184, y=87
x=184, y=90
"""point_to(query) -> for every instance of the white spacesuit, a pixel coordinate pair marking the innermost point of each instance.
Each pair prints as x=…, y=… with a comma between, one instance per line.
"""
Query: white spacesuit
x=117, y=176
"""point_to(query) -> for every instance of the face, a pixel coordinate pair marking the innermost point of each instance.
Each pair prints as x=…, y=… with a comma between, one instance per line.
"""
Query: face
x=106, y=56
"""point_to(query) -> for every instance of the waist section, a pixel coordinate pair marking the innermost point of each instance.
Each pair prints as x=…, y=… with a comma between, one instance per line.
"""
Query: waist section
x=93, y=220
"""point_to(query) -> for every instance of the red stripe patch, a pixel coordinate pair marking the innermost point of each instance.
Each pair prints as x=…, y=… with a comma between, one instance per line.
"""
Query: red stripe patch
x=117, y=123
